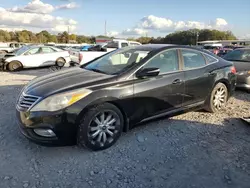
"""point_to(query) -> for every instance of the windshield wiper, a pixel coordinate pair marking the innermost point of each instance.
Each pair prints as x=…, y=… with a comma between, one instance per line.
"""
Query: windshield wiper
x=97, y=70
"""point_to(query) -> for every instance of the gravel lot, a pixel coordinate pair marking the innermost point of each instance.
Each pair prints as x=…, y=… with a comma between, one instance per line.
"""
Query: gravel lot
x=196, y=149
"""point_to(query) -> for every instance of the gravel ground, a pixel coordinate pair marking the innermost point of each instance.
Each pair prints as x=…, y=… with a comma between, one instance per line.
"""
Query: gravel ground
x=196, y=149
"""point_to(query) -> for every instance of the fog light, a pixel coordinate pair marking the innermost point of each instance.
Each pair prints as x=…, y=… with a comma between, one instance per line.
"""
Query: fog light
x=45, y=132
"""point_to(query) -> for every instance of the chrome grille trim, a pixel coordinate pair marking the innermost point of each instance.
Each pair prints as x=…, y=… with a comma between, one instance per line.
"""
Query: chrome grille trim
x=26, y=102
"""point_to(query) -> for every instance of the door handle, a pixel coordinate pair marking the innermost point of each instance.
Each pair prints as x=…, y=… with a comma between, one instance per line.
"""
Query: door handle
x=211, y=73
x=177, y=81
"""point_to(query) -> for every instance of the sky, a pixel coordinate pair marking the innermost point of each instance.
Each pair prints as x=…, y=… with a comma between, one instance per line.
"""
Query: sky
x=130, y=18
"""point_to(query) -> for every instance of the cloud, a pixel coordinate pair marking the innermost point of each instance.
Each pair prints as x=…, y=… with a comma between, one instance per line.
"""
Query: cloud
x=6, y=28
x=246, y=36
x=127, y=32
x=134, y=31
x=67, y=6
x=166, y=25
x=113, y=33
x=37, y=6
x=161, y=24
x=36, y=20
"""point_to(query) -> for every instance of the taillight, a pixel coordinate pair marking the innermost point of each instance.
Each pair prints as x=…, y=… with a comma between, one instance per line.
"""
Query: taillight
x=80, y=57
x=233, y=70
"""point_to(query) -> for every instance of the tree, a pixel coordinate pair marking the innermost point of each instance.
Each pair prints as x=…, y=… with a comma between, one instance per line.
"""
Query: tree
x=144, y=40
x=52, y=38
x=188, y=37
x=63, y=37
x=72, y=37
x=4, y=36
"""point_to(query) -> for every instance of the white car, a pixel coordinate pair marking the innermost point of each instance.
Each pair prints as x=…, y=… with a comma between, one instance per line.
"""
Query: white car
x=36, y=56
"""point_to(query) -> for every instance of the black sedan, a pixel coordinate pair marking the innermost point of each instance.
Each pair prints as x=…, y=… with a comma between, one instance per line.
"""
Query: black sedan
x=93, y=104
x=241, y=59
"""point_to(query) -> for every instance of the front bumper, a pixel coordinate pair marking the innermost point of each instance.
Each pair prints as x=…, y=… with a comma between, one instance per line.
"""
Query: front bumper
x=58, y=122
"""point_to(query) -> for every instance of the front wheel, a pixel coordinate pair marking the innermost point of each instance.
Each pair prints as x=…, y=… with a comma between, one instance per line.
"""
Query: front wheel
x=217, y=99
x=14, y=66
x=100, y=127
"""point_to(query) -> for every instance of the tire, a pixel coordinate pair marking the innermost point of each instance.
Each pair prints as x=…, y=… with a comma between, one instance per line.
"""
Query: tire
x=89, y=131
x=60, y=62
x=14, y=66
x=217, y=99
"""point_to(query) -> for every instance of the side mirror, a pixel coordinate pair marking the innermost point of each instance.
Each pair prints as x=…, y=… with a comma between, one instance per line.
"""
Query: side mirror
x=148, y=72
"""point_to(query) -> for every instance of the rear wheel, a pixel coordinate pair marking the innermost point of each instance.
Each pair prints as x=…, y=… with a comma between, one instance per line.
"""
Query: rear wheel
x=217, y=99
x=14, y=66
x=60, y=62
x=100, y=127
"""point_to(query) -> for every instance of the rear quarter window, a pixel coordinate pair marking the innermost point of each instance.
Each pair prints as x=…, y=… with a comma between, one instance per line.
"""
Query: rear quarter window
x=210, y=59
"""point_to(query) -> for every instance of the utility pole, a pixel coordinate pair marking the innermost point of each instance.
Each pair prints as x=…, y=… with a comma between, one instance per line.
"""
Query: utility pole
x=197, y=37
x=68, y=35
x=105, y=28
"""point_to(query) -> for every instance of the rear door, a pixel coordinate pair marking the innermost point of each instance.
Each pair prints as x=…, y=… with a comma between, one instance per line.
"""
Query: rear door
x=162, y=93
x=199, y=79
x=49, y=56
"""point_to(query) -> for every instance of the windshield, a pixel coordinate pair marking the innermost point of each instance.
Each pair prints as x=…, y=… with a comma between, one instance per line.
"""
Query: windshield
x=238, y=55
x=21, y=50
x=117, y=61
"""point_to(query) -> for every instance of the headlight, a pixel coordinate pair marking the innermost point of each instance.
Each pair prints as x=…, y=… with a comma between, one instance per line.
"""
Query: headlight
x=60, y=101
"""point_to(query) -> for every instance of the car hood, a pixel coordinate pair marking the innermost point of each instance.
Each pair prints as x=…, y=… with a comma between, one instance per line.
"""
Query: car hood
x=65, y=80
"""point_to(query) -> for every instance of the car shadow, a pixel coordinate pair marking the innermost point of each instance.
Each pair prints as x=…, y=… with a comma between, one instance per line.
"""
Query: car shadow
x=242, y=95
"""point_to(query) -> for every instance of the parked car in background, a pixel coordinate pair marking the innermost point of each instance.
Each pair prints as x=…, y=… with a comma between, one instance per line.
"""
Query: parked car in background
x=99, y=50
x=86, y=47
x=99, y=47
x=94, y=103
x=223, y=51
x=35, y=56
x=10, y=47
x=241, y=59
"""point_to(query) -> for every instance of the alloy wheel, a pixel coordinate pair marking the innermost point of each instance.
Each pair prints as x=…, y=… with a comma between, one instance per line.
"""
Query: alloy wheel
x=219, y=99
x=103, y=128
x=15, y=66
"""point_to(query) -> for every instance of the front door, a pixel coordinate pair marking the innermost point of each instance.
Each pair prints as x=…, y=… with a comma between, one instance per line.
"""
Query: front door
x=156, y=95
x=32, y=58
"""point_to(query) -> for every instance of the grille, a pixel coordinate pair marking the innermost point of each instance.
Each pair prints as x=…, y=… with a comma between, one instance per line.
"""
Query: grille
x=25, y=102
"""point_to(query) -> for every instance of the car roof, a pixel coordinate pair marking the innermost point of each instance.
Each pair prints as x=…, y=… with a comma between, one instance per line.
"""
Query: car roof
x=244, y=48
x=154, y=47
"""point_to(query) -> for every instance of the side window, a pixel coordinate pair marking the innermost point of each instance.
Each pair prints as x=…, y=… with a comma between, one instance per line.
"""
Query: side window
x=246, y=56
x=124, y=44
x=33, y=51
x=46, y=50
x=166, y=61
x=210, y=59
x=192, y=59
x=112, y=45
